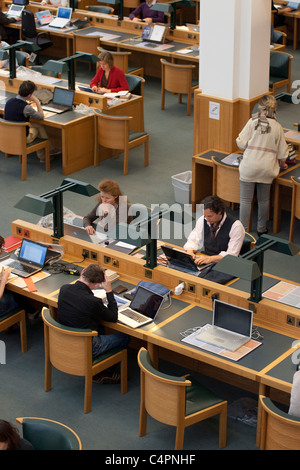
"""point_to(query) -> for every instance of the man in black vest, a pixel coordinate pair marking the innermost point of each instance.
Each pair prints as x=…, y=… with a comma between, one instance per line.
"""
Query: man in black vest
x=216, y=233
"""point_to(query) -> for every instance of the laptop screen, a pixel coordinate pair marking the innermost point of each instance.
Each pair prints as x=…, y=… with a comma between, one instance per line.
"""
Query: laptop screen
x=146, y=302
x=230, y=317
x=293, y=5
x=64, y=13
x=44, y=17
x=15, y=10
x=174, y=255
x=63, y=96
x=32, y=252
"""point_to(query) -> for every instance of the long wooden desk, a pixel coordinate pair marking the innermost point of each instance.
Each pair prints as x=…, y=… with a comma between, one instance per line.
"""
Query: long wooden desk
x=202, y=183
x=268, y=369
x=73, y=132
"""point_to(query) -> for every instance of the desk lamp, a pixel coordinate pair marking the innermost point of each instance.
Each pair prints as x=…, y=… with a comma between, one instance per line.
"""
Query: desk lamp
x=70, y=61
x=170, y=7
x=41, y=205
x=11, y=54
x=140, y=233
x=249, y=266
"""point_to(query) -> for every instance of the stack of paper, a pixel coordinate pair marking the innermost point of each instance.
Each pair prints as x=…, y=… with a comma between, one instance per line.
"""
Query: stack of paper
x=112, y=275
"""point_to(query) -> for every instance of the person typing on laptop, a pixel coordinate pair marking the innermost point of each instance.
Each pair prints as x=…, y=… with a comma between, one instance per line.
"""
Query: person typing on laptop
x=7, y=33
x=19, y=109
x=79, y=308
x=218, y=233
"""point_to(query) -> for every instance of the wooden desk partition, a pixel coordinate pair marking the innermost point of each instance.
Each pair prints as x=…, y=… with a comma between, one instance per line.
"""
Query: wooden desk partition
x=268, y=314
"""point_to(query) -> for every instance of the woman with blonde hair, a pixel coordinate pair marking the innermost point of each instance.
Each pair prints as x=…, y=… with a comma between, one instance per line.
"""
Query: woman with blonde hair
x=112, y=207
x=264, y=152
x=109, y=78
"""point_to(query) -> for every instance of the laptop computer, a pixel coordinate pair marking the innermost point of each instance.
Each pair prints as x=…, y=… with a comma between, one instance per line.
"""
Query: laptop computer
x=142, y=309
x=62, y=19
x=80, y=232
x=44, y=17
x=31, y=259
x=231, y=326
x=182, y=261
x=15, y=11
x=62, y=101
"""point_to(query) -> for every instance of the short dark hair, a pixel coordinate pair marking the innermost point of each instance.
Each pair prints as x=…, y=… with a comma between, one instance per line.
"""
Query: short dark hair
x=27, y=88
x=94, y=274
x=215, y=204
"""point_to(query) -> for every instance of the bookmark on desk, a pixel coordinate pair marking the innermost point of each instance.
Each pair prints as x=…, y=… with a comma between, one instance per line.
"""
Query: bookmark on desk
x=30, y=284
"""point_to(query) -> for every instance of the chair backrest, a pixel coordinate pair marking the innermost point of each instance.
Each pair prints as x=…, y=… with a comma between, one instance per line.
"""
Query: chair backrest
x=46, y=434
x=226, y=181
x=279, y=430
x=85, y=43
x=112, y=131
x=101, y=9
x=248, y=243
x=28, y=28
x=280, y=64
x=176, y=78
x=69, y=349
x=12, y=137
x=296, y=198
x=164, y=394
x=120, y=58
x=22, y=58
x=135, y=83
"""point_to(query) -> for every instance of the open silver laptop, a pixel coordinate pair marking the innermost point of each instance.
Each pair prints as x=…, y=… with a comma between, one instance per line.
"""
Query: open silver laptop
x=62, y=19
x=142, y=309
x=62, y=101
x=231, y=327
x=15, y=11
x=31, y=259
x=80, y=232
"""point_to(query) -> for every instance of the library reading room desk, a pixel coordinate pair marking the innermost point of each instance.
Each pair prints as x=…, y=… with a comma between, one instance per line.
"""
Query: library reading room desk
x=203, y=177
x=74, y=132
x=262, y=369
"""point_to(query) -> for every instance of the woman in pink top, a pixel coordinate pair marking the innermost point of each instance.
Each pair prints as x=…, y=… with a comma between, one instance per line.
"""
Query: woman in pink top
x=108, y=79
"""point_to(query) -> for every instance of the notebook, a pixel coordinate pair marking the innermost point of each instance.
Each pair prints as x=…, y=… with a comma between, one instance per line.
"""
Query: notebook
x=62, y=101
x=62, y=19
x=44, y=17
x=155, y=34
x=182, y=261
x=142, y=309
x=15, y=11
x=80, y=232
x=231, y=326
x=31, y=259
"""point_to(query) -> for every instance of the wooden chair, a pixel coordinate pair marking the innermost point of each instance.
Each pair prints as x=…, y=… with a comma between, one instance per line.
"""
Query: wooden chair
x=278, y=430
x=85, y=43
x=121, y=60
x=177, y=78
x=280, y=71
x=70, y=350
x=46, y=434
x=113, y=132
x=177, y=401
x=13, y=317
x=295, y=210
x=13, y=142
x=226, y=184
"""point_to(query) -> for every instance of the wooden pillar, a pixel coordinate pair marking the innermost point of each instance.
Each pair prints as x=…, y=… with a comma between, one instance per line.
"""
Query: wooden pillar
x=234, y=69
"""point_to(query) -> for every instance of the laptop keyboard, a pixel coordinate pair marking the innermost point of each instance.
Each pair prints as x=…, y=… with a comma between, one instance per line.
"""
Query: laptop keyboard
x=134, y=315
x=17, y=266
